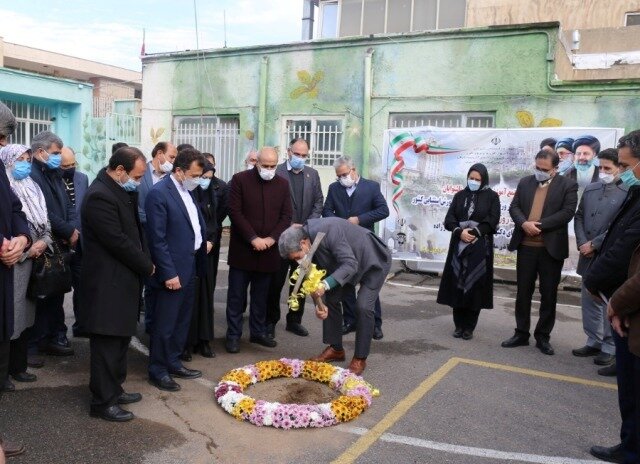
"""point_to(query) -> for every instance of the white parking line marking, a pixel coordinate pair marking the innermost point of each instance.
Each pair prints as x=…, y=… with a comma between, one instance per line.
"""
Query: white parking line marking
x=470, y=450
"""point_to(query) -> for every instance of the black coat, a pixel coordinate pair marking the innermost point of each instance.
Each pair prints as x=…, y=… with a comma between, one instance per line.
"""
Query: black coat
x=487, y=214
x=115, y=259
x=13, y=223
x=213, y=206
x=559, y=208
x=62, y=213
x=609, y=270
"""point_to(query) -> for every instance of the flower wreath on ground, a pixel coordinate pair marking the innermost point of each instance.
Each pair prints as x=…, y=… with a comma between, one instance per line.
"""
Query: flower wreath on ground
x=356, y=394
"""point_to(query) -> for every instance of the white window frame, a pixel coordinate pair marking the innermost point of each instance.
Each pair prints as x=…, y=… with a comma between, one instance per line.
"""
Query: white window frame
x=321, y=18
x=627, y=15
x=222, y=139
x=386, y=15
x=467, y=119
x=25, y=123
x=287, y=136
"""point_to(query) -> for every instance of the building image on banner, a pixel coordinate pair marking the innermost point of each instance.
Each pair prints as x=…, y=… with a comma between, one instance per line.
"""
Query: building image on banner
x=427, y=166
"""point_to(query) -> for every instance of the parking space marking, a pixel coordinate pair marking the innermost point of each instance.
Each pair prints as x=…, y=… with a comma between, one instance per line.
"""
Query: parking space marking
x=369, y=437
x=473, y=451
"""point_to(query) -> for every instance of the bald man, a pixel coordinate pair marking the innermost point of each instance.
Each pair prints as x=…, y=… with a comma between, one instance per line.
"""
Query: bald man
x=260, y=210
x=76, y=184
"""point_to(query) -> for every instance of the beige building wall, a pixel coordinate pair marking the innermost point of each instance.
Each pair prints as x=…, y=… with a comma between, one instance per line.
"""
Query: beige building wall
x=572, y=14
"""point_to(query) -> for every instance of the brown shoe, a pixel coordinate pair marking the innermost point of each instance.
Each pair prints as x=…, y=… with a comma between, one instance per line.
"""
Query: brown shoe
x=329, y=354
x=11, y=449
x=357, y=365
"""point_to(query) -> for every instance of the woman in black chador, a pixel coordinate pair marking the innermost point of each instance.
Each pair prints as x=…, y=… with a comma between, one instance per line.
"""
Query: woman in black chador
x=467, y=279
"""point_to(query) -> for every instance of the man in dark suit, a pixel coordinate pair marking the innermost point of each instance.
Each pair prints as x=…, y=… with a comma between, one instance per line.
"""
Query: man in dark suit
x=48, y=333
x=176, y=232
x=76, y=184
x=14, y=239
x=360, y=201
x=260, y=210
x=115, y=261
x=306, y=202
x=618, y=258
x=541, y=209
x=351, y=256
x=162, y=157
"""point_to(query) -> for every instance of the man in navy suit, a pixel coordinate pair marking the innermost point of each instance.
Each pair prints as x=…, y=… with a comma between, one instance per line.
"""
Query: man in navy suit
x=163, y=156
x=76, y=184
x=360, y=201
x=176, y=232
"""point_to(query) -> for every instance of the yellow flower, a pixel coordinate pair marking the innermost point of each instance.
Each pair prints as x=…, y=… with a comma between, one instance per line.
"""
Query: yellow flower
x=244, y=406
x=311, y=282
x=238, y=376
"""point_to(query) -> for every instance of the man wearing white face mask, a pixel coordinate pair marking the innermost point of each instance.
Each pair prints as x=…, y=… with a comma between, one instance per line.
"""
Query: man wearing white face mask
x=598, y=206
x=162, y=157
x=359, y=201
x=260, y=210
x=541, y=209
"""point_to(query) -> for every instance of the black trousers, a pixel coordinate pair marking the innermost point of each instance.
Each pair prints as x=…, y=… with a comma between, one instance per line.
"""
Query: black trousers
x=532, y=263
x=278, y=281
x=108, y=368
x=349, y=307
x=4, y=361
x=465, y=318
x=628, y=374
x=239, y=282
x=76, y=273
x=18, y=354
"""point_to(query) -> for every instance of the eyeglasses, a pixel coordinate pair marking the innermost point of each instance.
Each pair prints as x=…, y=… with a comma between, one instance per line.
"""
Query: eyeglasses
x=68, y=166
x=299, y=155
x=345, y=175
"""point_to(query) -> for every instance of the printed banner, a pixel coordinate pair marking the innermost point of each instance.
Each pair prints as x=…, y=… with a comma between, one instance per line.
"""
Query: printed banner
x=426, y=166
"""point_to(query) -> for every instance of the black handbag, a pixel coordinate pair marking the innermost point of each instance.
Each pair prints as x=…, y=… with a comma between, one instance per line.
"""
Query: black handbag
x=51, y=272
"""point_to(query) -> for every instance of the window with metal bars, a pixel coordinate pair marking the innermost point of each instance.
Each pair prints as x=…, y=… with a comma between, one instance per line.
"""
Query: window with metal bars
x=218, y=135
x=31, y=119
x=484, y=119
x=324, y=134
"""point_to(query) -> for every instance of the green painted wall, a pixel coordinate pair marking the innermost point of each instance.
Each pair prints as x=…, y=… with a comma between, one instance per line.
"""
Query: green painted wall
x=501, y=70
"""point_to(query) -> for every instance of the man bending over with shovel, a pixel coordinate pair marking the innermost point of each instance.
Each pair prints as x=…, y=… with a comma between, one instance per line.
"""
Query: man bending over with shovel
x=351, y=255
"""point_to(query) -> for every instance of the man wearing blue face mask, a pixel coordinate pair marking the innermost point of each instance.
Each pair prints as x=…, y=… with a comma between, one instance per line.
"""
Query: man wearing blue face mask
x=306, y=202
x=541, y=209
x=49, y=333
x=585, y=170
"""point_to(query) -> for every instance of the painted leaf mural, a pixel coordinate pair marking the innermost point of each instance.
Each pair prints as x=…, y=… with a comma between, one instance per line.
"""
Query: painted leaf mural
x=525, y=118
x=309, y=84
x=550, y=122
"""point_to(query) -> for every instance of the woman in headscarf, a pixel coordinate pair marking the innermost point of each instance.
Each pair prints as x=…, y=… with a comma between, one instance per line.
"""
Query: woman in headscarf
x=201, y=331
x=564, y=149
x=467, y=279
x=17, y=162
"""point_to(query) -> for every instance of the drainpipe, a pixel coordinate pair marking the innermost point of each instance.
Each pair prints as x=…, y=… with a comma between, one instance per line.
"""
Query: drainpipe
x=262, y=105
x=307, y=19
x=366, y=114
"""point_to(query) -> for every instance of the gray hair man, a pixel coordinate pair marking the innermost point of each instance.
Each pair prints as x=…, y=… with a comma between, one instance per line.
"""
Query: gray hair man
x=50, y=332
x=352, y=256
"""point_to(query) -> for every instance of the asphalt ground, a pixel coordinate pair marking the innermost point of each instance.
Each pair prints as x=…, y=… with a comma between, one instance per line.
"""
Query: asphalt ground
x=443, y=400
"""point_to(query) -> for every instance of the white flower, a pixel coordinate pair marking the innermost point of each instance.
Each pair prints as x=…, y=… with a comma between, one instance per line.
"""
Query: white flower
x=314, y=416
x=268, y=420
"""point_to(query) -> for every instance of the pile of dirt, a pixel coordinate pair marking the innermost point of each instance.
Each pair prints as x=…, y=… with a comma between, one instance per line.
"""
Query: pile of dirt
x=298, y=391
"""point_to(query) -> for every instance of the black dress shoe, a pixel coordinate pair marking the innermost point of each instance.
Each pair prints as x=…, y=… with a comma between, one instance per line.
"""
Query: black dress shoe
x=467, y=334
x=35, y=361
x=585, y=351
x=611, y=454
x=457, y=333
x=186, y=355
x=263, y=340
x=377, y=333
x=7, y=386
x=80, y=334
x=348, y=328
x=166, y=383
x=232, y=345
x=608, y=371
x=205, y=350
x=604, y=359
x=128, y=398
x=24, y=377
x=184, y=373
x=296, y=328
x=271, y=330
x=56, y=349
x=516, y=340
x=545, y=347
x=113, y=413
